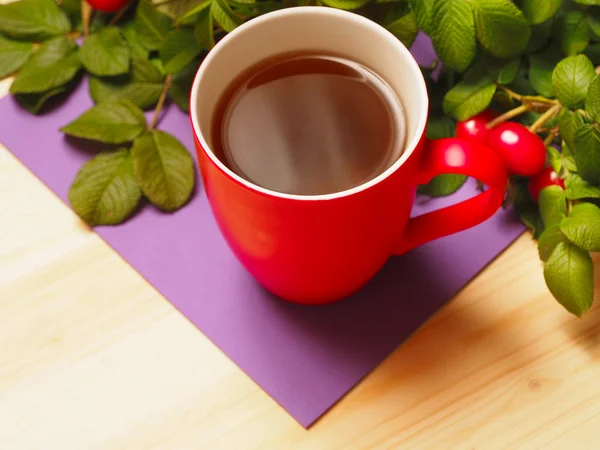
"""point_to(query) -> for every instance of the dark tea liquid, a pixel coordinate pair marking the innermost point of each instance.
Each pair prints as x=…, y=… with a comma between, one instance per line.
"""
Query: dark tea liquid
x=308, y=124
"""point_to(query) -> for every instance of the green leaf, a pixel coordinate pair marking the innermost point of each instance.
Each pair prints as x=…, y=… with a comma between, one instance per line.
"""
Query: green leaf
x=587, y=153
x=527, y=208
x=203, y=30
x=182, y=85
x=571, y=78
x=346, y=4
x=577, y=188
x=587, y=2
x=423, y=10
x=538, y=11
x=469, y=98
x=573, y=33
x=569, y=274
x=404, y=28
x=55, y=63
x=553, y=205
x=251, y=9
x=104, y=191
x=151, y=26
x=555, y=159
x=164, y=169
x=569, y=122
x=105, y=53
x=12, y=56
x=504, y=71
x=549, y=239
x=133, y=41
x=592, y=101
x=568, y=159
x=158, y=64
x=192, y=14
x=509, y=70
x=454, y=34
x=142, y=86
x=34, y=20
x=35, y=102
x=224, y=16
x=541, y=66
x=179, y=49
x=440, y=127
x=443, y=185
x=582, y=227
x=112, y=122
x=594, y=25
x=540, y=35
x=176, y=8
x=502, y=28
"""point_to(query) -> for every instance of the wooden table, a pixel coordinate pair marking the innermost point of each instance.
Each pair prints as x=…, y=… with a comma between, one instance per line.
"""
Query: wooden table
x=92, y=357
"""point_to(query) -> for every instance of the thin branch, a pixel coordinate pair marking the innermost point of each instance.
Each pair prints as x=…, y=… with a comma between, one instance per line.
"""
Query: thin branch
x=545, y=118
x=508, y=115
x=551, y=136
x=511, y=94
x=86, y=17
x=161, y=101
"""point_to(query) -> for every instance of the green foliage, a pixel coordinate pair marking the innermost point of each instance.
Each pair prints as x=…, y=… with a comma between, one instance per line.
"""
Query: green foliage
x=569, y=274
x=151, y=25
x=571, y=79
x=141, y=86
x=164, y=169
x=535, y=57
x=454, y=32
x=112, y=122
x=33, y=20
x=13, y=55
x=501, y=27
x=469, y=97
x=54, y=64
x=105, y=191
x=106, y=53
x=553, y=205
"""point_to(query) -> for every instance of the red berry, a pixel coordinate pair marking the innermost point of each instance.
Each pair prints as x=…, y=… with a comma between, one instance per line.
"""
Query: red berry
x=475, y=128
x=523, y=152
x=545, y=178
x=107, y=5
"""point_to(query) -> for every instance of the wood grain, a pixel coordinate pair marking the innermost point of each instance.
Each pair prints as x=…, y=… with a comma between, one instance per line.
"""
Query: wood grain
x=92, y=357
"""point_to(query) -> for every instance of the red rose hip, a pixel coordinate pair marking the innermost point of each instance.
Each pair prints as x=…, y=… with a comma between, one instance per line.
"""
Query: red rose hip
x=107, y=5
x=475, y=128
x=545, y=178
x=523, y=152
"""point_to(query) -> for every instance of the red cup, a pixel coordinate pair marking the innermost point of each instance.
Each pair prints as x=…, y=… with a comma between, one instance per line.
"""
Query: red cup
x=316, y=249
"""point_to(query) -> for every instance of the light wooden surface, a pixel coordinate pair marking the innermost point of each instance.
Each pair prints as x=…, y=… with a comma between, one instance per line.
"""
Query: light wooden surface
x=92, y=357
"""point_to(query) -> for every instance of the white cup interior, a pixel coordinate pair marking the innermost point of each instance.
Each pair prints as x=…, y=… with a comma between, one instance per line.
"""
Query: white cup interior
x=318, y=29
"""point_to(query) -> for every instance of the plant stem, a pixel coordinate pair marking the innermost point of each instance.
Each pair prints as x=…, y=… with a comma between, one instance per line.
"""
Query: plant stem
x=545, y=118
x=584, y=113
x=551, y=136
x=161, y=101
x=86, y=15
x=162, y=2
x=511, y=94
x=120, y=13
x=508, y=115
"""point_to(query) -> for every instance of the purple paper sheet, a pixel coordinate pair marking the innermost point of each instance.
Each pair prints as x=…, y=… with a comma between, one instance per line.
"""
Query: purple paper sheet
x=306, y=358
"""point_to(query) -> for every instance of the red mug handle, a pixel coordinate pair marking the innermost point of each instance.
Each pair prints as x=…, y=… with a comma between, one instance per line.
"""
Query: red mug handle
x=459, y=156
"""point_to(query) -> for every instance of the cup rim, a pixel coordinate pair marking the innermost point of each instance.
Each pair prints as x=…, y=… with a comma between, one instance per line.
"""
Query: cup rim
x=310, y=10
